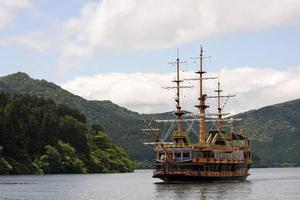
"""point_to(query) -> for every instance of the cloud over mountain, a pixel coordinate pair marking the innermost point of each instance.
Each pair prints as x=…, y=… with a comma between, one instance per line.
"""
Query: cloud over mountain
x=143, y=92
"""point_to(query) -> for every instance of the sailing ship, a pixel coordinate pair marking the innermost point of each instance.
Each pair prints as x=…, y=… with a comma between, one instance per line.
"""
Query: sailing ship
x=219, y=154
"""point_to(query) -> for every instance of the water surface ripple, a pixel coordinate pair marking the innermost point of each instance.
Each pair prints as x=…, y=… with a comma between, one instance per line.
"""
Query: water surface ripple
x=266, y=183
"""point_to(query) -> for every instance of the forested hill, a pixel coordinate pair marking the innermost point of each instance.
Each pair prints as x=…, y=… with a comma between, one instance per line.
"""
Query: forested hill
x=123, y=126
x=38, y=136
x=275, y=133
x=274, y=130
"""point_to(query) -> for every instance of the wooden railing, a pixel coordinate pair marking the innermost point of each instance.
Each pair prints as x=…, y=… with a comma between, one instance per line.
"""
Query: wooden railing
x=242, y=172
x=223, y=161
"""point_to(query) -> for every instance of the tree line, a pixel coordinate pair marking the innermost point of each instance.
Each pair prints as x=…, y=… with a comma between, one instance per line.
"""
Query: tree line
x=38, y=136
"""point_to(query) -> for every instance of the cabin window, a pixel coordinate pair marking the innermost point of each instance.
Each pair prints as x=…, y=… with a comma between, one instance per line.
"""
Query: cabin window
x=213, y=168
x=217, y=155
x=186, y=155
x=198, y=168
x=174, y=167
x=234, y=156
x=178, y=155
x=208, y=154
x=196, y=154
x=222, y=168
x=182, y=167
x=248, y=155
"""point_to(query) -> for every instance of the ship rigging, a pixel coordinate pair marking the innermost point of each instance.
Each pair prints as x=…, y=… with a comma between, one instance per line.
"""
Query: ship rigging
x=217, y=155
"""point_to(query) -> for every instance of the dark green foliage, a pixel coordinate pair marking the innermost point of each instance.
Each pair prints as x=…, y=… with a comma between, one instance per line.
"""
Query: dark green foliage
x=106, y=156
x=39, y=136
x=5, y=167
x=61, y=158
x=275, y=133
x=123, y=126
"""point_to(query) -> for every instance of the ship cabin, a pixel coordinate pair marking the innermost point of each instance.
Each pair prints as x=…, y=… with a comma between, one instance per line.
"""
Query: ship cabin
x=222, y=153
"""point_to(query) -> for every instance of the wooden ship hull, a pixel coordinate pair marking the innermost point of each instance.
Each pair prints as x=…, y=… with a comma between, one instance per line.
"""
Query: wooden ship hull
x=217, y=163
x=202, y=169
x=198, y=178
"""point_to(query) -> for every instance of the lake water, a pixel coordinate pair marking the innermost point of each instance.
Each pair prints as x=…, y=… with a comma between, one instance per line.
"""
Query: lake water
x=272, y=183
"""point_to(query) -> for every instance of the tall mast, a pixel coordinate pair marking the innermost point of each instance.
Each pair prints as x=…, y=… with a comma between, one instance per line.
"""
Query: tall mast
x=220, y=108
x=219, y=122
x=178, y=135
x=178, y=112
x=202, y=98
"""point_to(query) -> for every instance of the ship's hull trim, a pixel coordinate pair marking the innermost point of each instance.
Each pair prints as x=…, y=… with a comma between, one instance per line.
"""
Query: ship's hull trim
x=185, y=178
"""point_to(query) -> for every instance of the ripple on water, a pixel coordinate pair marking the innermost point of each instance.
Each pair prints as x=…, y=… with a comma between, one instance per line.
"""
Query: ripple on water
x=267, y=184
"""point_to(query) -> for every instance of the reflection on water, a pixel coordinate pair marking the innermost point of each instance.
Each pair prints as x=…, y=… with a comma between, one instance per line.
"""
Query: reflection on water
x=213, y=190
x=266, y=184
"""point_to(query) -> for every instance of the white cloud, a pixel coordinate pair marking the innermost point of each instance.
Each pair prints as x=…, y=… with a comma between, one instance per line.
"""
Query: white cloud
x=38, y=41
x=129, y=25
x=8, y=9
x=137, y=91
x=143, y=92
x=122, y=25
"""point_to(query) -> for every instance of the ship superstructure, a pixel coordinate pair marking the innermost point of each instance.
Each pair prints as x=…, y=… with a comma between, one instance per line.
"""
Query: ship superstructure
x=217, y=155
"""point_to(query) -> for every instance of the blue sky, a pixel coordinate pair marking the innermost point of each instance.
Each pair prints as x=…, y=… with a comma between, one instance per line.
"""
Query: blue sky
x=61, y=41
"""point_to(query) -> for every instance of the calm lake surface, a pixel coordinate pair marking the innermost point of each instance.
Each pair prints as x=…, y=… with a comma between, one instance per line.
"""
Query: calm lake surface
x=271, y=183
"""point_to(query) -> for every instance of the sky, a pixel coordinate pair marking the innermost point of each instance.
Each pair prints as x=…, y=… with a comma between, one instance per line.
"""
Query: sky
x=119, y=50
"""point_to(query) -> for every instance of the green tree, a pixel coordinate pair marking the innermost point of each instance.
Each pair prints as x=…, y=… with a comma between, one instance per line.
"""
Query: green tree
x=61, y=159
x=40, y=136
x=5, y=167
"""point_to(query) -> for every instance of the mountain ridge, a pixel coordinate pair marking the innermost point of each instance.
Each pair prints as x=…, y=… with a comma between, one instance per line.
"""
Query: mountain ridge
x=264, y=125
x=106, y=113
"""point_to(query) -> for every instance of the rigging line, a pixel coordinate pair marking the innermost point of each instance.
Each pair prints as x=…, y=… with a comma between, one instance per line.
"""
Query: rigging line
x=210, y=125
x=194, y=132
x=214, y=125
x=191, y=129
x=151, y=120
x=168, y=138
x=157, y=127
x=190, y=126
x=173, y=127
x=169, y=131
x=169, y=116
x=165, y=126
x=225, y=102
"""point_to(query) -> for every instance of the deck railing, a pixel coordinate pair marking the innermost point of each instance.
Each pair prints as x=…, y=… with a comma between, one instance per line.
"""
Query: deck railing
x=242, y=172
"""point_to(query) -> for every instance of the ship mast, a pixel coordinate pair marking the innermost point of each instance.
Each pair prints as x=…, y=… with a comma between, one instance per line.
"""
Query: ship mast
x=220, y=108
x=219, y=122
x=202, y=98
x=178, y=135
x=178, y=112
